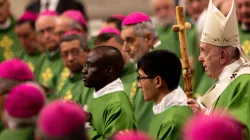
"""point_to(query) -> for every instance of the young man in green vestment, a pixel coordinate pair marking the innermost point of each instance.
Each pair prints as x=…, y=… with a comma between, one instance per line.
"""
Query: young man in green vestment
x=140, y=37
x=74, y=51
x=159, y=81
x=110, y=109
x=22, y=106
x=52, y=66
x=25, y=30
x=111, y=37
x=10, y=47
x=225, y=61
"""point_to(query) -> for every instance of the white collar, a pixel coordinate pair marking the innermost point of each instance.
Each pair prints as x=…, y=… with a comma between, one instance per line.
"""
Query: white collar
x=158, y=43
x=110, y=88
x=229, y=69
x=176, y=97
x=6, y=24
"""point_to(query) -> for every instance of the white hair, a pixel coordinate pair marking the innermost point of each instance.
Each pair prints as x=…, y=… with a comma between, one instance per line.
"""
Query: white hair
x=141, y=29
x=14, y=123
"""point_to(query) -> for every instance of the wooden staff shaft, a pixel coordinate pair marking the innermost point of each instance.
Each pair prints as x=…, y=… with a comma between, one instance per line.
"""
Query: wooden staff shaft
x=181, y=29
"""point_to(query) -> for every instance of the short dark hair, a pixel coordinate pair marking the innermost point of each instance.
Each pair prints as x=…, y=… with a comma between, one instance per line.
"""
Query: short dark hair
x=116, y=21
x=80, y=37
x=106, y=37
x=20, y=22
x=112, y=57
x=164, y=64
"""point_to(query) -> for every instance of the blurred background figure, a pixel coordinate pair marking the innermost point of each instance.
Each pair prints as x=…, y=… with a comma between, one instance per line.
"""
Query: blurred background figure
x=130, y=135
x=12, y=73
x=9, y=44
x=53, y=66
x=213, y=127
x=59, y=6
x=74, y=51
x=22, y=106
x=25, y=30
x=114, y=21
x=61, y=120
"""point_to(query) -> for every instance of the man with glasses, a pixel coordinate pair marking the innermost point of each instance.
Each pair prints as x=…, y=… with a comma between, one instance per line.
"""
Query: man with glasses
x=52, y=66
x=159, y=82
x=140, y=37
x=111, y=109
x=74, y=50
x=25, y=30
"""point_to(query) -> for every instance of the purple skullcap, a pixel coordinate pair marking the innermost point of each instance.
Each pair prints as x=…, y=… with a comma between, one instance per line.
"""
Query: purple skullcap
x=61, y=118
x=16, y=69
x=48, y=13
x=119, y=16
x=130, y=135
x=24, y=101
x=109, y=30
x=28, y=15
x=214, y=127
x=71, y=32
x=134, y=18
x=76, y=15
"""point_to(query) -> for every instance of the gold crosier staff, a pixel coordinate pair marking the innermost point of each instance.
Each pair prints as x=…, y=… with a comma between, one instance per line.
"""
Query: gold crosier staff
x=181, y=28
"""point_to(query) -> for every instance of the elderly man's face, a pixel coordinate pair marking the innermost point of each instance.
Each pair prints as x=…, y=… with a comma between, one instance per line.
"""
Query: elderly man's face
x=196, y=7
x=63, y=24
x=134, y=45
x=45, y=27
x=4, y=10
x=164, y=11
x=243, y=11
x=73, y=55
x=210, y=58
x=27, y=37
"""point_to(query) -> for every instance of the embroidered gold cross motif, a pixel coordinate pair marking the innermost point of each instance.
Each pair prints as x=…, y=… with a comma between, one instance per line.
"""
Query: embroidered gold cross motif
x=64, y=75
x=47, y=75
x=31, y=66
x=68, y=95
x=6, y=43
x=246, y=46
x=132, y=91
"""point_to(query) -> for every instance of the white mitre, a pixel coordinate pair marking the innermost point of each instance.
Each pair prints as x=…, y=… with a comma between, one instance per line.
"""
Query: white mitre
x=222, y=31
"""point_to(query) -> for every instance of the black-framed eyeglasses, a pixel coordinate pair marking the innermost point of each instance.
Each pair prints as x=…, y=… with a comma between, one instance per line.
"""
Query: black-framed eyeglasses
x=147, y=77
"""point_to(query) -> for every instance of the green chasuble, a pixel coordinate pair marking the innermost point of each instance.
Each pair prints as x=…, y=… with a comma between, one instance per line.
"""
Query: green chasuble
x=34, y=62
x=51, y=70
x=9, y=44
x=236, y=99
x=245, y=40
x=128, y=77
x=110, y=113
x=71, y=87
x=18, y=134
x=168, y=124
x=91, y=42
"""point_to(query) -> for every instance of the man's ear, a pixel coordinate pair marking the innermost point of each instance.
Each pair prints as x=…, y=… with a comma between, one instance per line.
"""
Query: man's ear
x=149, y=38
x=158, y=81
x=109, y=70
x=223, y=56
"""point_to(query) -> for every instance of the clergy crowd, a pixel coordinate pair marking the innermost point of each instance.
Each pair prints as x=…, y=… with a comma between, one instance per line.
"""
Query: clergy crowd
x=58, y=82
